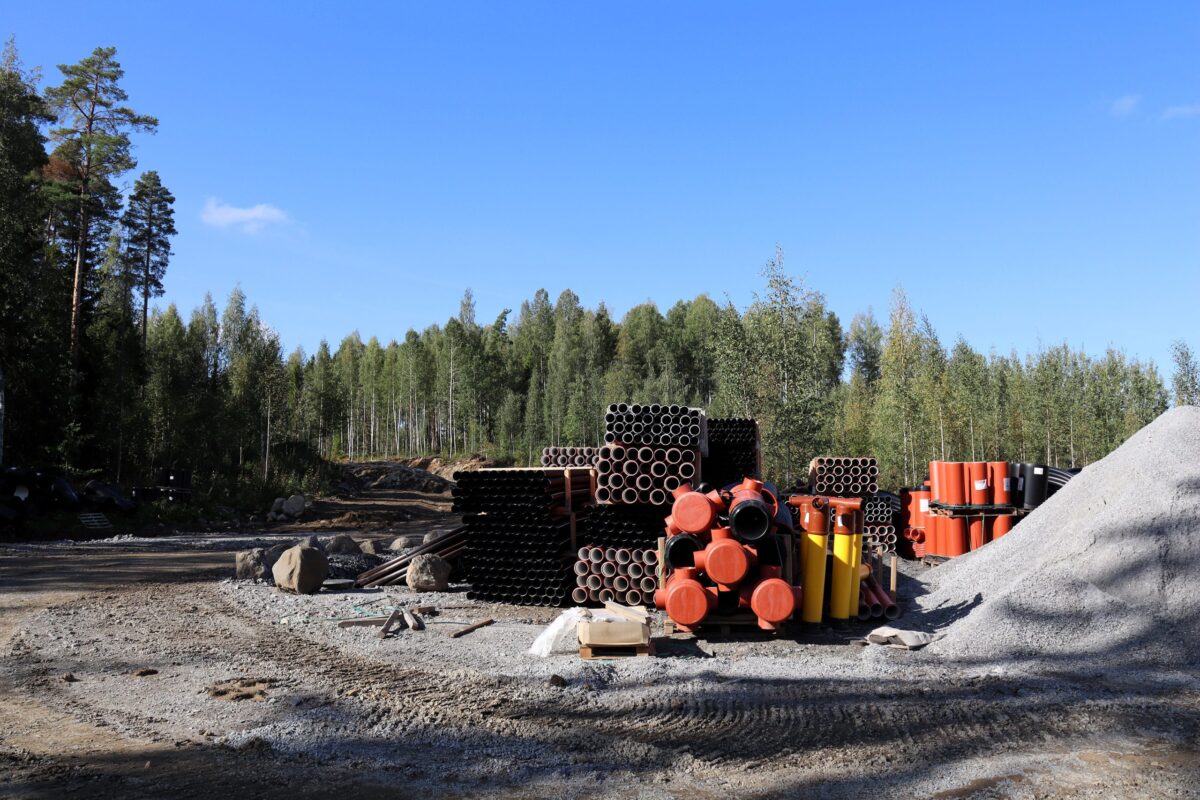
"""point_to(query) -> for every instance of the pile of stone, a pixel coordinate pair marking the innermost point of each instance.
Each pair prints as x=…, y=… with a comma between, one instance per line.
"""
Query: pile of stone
x=288, y=508
x=302, y=566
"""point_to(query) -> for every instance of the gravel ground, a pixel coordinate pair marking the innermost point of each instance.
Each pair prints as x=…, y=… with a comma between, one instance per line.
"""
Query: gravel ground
x=818, y=716
x=1069, y=669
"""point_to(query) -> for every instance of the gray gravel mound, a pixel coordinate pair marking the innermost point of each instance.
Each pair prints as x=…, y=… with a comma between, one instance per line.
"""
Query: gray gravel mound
x=1106, y=572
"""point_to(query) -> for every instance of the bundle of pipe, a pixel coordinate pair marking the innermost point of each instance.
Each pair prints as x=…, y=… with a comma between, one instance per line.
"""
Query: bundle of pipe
x=874, y=601
x=915, y=542
x=570, y=456
x=620, y=574
x=620, y=526
x=519, y=523
x=968, y=484
x=820, y=517
x=513, y=491
x=395, y=571
x=724, y=555
x=656, y=425
x=646, y=475
x=733, y=450
x=837, y=476
x=883, y=536
x=878, y=509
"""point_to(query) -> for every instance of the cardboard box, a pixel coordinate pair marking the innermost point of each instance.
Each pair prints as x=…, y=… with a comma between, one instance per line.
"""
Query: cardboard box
x=613, y=634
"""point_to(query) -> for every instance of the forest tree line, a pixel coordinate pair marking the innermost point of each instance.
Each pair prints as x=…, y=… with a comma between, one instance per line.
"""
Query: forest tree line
x=96, y=381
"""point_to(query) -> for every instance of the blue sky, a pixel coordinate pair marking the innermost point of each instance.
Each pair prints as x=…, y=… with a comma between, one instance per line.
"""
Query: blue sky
x=1029, y=172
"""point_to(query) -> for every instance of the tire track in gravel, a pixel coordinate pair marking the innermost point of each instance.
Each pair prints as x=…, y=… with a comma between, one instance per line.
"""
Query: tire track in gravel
x=744, y=725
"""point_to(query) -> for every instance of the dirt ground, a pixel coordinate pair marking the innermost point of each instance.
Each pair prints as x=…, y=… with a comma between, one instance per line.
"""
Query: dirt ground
x=138, y=668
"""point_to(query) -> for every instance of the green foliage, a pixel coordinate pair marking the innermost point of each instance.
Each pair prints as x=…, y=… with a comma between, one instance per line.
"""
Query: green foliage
x=218, y=395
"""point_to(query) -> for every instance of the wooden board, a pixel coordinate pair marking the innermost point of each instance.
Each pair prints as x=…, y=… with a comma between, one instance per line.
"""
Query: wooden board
x=595, y=652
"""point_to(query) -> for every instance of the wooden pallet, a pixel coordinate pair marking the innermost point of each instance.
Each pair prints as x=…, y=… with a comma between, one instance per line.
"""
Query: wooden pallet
x=94, y=520
x=597, y=652
x=723, y=626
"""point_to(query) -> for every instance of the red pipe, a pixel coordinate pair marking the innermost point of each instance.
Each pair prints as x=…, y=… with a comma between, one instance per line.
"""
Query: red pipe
x=951, y=479
x=976, y=536
x=998, y=478
x=725, y=560
x=935, y=480
x=774, y=600
x=684, y=599
x=954, y=536
x=977, y=483
x=1001, y=526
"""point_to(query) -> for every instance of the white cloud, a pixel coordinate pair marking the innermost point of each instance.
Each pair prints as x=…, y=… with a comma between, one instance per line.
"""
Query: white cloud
x=1124, y=106
x=250, y=220
x=1182, y=112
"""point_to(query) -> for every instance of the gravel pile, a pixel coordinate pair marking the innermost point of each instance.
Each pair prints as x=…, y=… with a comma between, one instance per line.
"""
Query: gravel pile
x=1105, y=573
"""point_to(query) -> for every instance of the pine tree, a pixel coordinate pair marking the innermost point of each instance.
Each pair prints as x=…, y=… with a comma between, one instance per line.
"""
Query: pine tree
x=149, y=224
x=94, y=142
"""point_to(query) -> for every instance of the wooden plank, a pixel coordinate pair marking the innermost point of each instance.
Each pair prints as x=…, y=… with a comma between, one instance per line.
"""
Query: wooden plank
x=362, y=621
x=414, y=622
x=387, y=625
x=474, y=626
x=892, y=586
x=631, y=614
x=594, y=652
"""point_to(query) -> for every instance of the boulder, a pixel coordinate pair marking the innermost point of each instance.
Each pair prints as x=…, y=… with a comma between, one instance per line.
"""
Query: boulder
x=294, y=506
x=428, y=573
x=272, y=516
x=249, y=564
x=399, y=544
x=272, y=554
x=277, y=506
x=313, y=542
x=343, y=545
x=371, y=547
x=301, y=570
x=432, y=537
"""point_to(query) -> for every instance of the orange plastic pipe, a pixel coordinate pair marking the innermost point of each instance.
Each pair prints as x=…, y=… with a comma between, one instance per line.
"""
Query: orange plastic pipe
x=725, y=560
x=935, y=479
x=684, y=599
x=998, y=478
x=1001, y=526
x=977, y=483
x=953, y=492
x=976, y=527
x=954, y=536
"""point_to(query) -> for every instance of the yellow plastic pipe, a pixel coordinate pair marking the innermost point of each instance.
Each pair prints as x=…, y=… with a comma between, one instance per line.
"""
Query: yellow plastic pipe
x=843, y=574
x=812, y=553
x=855, y=562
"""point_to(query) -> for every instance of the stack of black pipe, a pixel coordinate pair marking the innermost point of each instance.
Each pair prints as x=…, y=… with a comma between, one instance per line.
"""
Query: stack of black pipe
x=732, y=451
x=878, y=510
x=644, y=474
x=655, y=425
x=519, y=533
x=620, y=526
x=570, y=456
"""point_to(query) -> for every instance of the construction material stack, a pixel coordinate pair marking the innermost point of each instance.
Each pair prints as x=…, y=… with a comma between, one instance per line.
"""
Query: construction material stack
x=649, y=450
x=570, y=456
x=521, y=532
x=729, y=552
x=623, y=575
x=975, y=502
x=733, y=452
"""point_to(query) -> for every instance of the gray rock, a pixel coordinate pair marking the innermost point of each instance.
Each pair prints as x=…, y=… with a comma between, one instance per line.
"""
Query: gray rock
x=428, y=573
x=372, y=547
x=249, y=564
x=277, y=506
x=343, y=545
x=294, y=506
x=301, y=570
x=401, y=543
x=272, y=554
x=313, y=542
x=432, y=537
x=272, y=516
